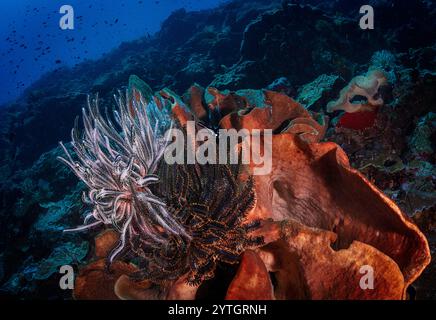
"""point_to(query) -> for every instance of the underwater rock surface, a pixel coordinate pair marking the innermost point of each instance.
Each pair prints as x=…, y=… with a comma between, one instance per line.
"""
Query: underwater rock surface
x=309, y=52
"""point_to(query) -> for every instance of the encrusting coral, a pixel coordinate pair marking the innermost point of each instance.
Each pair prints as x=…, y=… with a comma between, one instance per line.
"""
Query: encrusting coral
x=314, y=223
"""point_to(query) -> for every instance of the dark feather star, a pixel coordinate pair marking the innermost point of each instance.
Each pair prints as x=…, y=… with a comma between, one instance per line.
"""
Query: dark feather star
x=211, y=202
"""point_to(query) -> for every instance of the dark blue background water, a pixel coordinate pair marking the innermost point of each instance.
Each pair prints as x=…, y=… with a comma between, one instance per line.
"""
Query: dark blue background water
x=32, y=42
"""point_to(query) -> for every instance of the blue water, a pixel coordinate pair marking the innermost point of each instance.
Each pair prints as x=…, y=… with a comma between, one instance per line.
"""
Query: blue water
x=32, y=42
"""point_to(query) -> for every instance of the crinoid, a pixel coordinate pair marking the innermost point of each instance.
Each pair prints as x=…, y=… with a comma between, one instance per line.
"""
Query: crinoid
x=117, y=161
x=211, y=203
x=173, y=220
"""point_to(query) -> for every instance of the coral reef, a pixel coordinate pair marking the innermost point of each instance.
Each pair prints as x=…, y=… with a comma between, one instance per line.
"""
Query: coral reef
x=172, y=219
x=312, y=196
x=239, y=45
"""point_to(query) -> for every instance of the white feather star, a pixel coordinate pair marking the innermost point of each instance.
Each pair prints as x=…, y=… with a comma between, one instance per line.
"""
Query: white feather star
x=118, y=161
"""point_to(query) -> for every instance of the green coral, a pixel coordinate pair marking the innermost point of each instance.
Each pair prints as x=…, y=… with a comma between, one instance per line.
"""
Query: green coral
x=67, y=254
x=141, y=86
x=312, y=93
x=420, y=142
